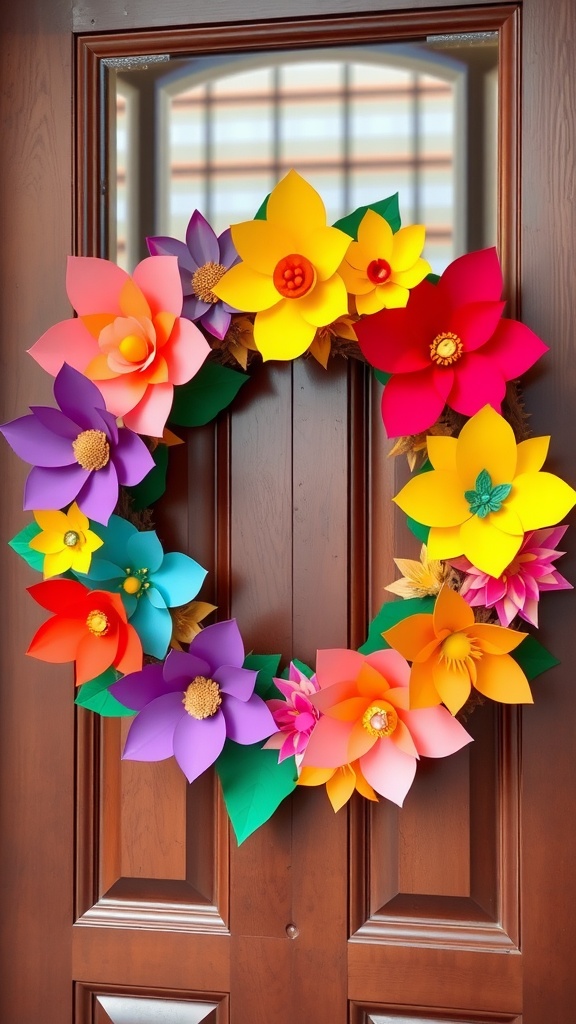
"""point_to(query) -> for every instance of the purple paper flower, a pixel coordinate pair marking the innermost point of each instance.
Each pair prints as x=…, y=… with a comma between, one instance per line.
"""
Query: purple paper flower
x=517, y=590
x=202, y=261
x=78, y=451
x=295, y=716
x=191, y=704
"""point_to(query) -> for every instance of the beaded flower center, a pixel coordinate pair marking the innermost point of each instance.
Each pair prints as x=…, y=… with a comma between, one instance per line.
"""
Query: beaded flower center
x=134, y=348
x=136, y=581
x=446, y=349
x=457, y=648
x=204, y=279
x=97, y=622
x=92, y=449
x=202, y=698
x=71, y=538
x=380, y=719
x=378, y=271
x=294, y=276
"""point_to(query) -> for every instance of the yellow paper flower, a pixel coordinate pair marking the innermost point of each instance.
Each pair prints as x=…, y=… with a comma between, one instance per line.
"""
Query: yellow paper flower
x=381, y=267
x=340, y=782
x=288, y=274
x=186, y=621
x=66, y=541
x=419, y=579
x=451, y=653
x=484, y=493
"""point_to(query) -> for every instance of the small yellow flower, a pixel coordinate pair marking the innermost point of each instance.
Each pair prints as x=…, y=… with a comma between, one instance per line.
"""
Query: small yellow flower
x=419, y=579
x=186, y=621
x=66, y=541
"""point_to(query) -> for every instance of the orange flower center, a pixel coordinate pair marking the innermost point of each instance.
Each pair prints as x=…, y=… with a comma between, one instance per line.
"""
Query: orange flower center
x=97, y=622
x=446, y=349
x=458, y=647
x=134, y=348
x=380, y=719
x=202, y=698
x=294, y=276
x=204, y=279
x=92, y=449
x=71, y=538
x=378, y=271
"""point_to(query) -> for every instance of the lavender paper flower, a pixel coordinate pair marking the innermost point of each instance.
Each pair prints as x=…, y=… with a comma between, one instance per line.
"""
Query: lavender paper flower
x=202, y=261
x=78, y=452
x=191, y=704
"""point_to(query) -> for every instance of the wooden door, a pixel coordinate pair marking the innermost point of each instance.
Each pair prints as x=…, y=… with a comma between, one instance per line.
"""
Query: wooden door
x=124, y=898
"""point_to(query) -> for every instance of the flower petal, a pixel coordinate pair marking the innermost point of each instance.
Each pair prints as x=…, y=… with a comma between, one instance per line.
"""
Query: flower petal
x=501, y=678
x=94, y=284
x=131, y=458
x=154, y=627
x=487, y=547
x=411, y=635
x=410, y=403
x=496, y=639
x=337, y=665
x=541, y=499
x=473, y=277
x=185, y=351
x=407, y=244
x=326, y=302
x=179, y=578
x=340, y=786
x=66, y=342
x=159, y=280
x=219, y=644
x=486, y=442
x=262, y=245
x=532, y=454
x=452, y=682
x=451, y=612
x=295, y=204
x=514, y=348
x=98, y=496
x=197, y=744
x=247, y=721
x=245, y=288
x=435, y=732
x=32, y=443
x=477, y=382
x=282, y=332
x=151, y=735
x=53, y=488
x=423, y=693
x=435, y=499
x=328, y=744
x=389, y=771
x=138, y=689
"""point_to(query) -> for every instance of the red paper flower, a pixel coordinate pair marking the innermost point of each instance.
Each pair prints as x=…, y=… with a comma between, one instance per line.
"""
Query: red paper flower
x=448, y=346
x=88, y=627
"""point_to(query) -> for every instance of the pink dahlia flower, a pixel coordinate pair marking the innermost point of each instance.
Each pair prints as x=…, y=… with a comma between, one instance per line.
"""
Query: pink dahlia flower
x=295, y=716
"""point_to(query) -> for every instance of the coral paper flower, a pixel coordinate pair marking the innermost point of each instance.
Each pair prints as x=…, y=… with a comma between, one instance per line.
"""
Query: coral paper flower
x=517, y=590
x=295, y=716
x=78, y=452
x=381, y=267
x=88, y=627
x=340, y=783
x=365, y=717
x=128, y=337
x=484, y=493
x=202, y=260
x=66, y=541
x=449, y=346
x=288, y=274
x=191, y=704
x=451, y=653
x=132, y=563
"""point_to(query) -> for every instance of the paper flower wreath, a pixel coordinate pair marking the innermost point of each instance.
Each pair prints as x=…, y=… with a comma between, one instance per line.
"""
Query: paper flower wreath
x=156, y=347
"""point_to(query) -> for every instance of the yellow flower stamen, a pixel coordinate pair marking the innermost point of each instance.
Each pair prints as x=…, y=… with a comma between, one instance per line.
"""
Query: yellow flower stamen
x=134, y=348
x=446, y=349
x=204, y=279
x=380, y=719
x=202, y=698
x=458, y=648
x=92, y=449
x=132, y=585
x=97, y=622
x=71, y=538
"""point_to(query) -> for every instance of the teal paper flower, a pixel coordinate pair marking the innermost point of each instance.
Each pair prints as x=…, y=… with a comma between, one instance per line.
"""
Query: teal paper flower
x=132, y=563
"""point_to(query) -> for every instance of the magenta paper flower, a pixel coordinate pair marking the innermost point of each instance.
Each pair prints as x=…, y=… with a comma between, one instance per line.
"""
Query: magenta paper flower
x=448, y=346
x=364, y=716
x=202, y=261
x=78, y=452
x=517, y=590
x=190, y=705
x=128, y=337
x=295, y=716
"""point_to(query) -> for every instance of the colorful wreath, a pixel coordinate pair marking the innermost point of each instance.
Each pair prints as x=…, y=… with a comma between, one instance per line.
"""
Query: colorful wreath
x=159, y=347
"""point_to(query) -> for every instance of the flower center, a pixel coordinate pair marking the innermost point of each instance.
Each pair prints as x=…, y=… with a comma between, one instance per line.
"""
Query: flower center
x=135, y=582
x=294, y=276
x=204, y=279
x=486, y=498
x=97, y=622
x=380, y=719
x=91, y=449
x=378, y=271
x=446, y=349
x=71, y=538
x=457, y=649
x=134, y=348
x=202, y=698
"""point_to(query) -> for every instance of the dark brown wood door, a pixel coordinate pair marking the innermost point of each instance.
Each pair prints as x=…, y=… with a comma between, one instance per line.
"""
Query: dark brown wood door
x=124, y=897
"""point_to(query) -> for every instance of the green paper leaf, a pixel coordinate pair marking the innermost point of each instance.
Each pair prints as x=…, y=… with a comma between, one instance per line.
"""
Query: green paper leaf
x=254, y=785
x=261, y=212
x=434, y=278
x=387, y=208
x=95, y=696
x=418, y=529
x=21, y=545
x=389, y=615
x=483, y=482
x=266, y=665
x=200, y=400
x=305, y=669
x=382, y=376
x=153, y=485
x=533, y=657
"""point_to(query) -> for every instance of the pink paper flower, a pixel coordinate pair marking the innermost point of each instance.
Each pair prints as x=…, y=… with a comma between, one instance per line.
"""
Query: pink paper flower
x=364, y=704
x=129, y=337
x=448, y=346
x=295, y=716
x=517, y=590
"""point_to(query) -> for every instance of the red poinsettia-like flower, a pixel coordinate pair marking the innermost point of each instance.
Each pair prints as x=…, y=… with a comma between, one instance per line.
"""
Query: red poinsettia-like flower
x=88, y=627
x=448, y=346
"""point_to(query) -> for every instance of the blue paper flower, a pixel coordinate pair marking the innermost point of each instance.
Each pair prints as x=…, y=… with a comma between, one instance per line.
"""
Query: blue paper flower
x=132, y=562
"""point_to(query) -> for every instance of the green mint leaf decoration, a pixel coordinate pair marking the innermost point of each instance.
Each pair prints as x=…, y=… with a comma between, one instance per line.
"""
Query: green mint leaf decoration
x=485, y=498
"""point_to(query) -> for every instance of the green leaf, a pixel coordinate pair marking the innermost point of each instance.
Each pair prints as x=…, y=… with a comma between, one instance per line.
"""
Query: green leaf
x=389, y=615
x=499, y=494
x=200, y=400
x=21, y=545
x=261, y=212
x=95, y=696
x=153, y=485
x=434, y=278
x=418, y=529
x=254, y=785
x=304, y=669
x=382, y=376
x=483, y=482
x=387, y=208
x=266, y=665
x=533, y=657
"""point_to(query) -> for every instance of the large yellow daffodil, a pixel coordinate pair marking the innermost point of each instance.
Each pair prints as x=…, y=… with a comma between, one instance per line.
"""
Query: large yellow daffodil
x=288, y=274
x=484, y=492
x=381, y=267
x=66, y=541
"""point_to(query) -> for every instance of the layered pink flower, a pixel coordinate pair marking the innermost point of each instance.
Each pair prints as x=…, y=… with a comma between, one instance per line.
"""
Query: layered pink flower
x=517, y=590
x=448, y=346
x=129, y=337
x=365, y=716
x=295, y=716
